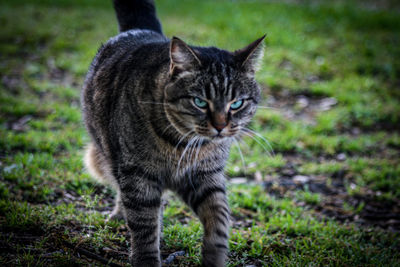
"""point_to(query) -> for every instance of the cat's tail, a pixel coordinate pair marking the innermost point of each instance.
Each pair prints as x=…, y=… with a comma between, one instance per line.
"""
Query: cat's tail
x=137, y=14
x=97, y=165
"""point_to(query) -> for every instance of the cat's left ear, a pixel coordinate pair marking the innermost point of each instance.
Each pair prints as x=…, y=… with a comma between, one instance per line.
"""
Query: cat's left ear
x=182, y=57
x=249, y=57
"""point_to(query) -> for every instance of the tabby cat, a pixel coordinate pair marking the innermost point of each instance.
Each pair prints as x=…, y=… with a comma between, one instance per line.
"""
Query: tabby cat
x=162, y=115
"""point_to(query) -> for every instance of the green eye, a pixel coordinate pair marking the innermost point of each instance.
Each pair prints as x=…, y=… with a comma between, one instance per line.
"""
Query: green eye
x=200, y=103
x=236, y=104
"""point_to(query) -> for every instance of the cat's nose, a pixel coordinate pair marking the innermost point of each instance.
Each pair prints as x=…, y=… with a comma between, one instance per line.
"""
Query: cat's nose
x=219, y=121
x=219, y=127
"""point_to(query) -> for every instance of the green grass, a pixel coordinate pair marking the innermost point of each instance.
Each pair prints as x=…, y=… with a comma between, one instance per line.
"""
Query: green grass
x=50, y=206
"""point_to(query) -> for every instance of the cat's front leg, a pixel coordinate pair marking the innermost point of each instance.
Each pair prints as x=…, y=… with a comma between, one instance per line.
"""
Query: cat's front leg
x=141, y=200
x=208, y=200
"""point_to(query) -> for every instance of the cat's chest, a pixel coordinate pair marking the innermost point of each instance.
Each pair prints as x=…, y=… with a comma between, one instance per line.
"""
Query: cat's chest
x=196, y=158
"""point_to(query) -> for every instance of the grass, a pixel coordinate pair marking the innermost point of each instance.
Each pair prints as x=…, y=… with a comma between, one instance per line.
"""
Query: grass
x=331, y=114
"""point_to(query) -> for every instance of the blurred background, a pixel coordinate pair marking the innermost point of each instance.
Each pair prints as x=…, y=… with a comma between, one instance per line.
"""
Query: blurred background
x=318, y=183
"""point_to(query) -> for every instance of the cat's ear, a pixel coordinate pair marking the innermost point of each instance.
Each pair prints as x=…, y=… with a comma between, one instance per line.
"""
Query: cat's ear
x=249, y=57
x=182, y=57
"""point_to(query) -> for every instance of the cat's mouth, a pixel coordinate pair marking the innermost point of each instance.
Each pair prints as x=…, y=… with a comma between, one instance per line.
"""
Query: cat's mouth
x=213, y=133
x=218, y=136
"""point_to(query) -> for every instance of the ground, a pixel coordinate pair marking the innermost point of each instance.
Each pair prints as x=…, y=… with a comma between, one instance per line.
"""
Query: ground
x=317, y=185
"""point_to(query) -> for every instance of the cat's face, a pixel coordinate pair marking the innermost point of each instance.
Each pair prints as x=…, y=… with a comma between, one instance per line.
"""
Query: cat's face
x=212, y=93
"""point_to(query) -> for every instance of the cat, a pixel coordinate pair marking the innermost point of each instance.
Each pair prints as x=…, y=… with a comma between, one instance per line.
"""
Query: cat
x=162, y=114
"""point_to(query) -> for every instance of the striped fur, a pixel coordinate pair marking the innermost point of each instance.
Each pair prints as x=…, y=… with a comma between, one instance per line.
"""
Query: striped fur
x=148, y=135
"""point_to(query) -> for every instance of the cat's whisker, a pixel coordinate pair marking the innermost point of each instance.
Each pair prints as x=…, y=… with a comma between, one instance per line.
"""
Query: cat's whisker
x=266, y=107
x=241, y=154
x=166, y=128
x=198, y=148
x=259, y=142
x=194, y=163
x=180, y=141
x=188, y=145
x=192, y=151
x=262, y=138
x=186, y=158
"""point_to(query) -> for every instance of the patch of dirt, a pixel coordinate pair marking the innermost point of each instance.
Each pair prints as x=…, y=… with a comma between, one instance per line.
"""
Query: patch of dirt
x=12, y=82
x=304, y=106
x=21, y=124
x=366, y=209
x=297, y=106
x=61, y=76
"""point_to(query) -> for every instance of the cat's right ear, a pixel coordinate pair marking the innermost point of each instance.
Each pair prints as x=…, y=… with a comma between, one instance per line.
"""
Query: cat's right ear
x=182, y=57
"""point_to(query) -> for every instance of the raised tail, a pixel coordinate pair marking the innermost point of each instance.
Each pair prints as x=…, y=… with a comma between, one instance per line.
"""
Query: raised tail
x=137, y=14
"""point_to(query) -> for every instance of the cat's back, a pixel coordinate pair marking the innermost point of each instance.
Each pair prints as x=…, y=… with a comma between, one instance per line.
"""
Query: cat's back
x=135, y=47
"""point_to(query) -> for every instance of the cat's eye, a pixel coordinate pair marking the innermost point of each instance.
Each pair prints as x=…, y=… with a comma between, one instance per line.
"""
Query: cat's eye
x=200, y=102
x=237, y=104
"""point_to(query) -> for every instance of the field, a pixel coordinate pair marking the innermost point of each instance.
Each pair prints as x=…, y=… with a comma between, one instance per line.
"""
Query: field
x=317, y=185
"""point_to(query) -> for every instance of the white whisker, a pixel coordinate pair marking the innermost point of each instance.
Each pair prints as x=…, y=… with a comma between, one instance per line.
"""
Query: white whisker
x=198, y=148
x=241, y=155
x=195, y=144
x=180, y=140
x=166, y=128
x=266, y=107
x=259, y=142
x=263, y=138
x=188, y=145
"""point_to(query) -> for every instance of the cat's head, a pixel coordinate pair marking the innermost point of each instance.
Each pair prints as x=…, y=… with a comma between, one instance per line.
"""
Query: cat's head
x=212, y=93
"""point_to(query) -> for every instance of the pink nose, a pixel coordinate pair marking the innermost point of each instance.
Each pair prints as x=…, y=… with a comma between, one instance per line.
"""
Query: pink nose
x=219, y=127
x=219, y=121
